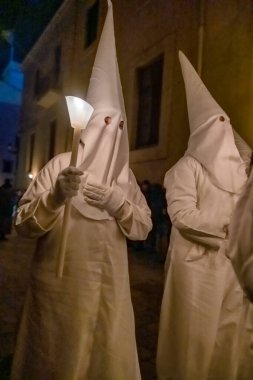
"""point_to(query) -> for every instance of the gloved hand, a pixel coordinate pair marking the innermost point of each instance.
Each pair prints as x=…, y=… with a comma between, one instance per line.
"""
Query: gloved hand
x=105, y=197
x=67, y=184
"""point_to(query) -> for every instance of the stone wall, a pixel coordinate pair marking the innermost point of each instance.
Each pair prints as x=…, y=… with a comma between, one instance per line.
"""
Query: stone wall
x=144, y=29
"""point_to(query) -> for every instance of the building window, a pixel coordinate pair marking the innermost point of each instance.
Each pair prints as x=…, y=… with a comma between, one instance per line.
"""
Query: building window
x=32, y=139
x=91, y=24
x=149, y=81
x=7, y=166
x=52, y=135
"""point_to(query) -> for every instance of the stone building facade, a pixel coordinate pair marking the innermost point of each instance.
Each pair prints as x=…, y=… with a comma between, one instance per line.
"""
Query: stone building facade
x=216, y=35
x=11, y=83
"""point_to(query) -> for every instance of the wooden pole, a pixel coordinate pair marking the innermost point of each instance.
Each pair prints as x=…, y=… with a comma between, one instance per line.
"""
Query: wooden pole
x=65, y=221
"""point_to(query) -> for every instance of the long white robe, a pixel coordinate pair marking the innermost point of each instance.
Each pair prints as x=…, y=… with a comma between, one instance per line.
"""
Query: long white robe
x=80, y=326
x=202, y=299
x=241, y=255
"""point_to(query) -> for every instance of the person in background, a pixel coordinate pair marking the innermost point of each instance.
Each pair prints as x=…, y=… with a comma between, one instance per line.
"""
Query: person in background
x=148, y=245
x=81, y=326
x=161, y=221
x=157, y=241
x=202, y=301
x=6, y=208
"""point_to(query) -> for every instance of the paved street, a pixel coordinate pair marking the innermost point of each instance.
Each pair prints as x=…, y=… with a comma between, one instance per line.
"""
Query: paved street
x=146, y=276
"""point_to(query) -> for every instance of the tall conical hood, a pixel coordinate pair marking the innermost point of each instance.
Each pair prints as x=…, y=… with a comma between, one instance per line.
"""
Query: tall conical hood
x=200, y=103
x=105, y=157
x=105, y=88
x=211, y=141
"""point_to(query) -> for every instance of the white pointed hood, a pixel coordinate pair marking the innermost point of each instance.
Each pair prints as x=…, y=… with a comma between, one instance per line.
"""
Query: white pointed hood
x=211, y=141
x=105, y=157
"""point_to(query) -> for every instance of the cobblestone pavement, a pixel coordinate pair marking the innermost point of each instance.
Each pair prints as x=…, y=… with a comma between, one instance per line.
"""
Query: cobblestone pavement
x=146, y=278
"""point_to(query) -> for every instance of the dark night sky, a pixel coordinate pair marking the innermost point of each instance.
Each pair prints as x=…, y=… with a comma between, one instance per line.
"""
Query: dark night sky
x=27, y=18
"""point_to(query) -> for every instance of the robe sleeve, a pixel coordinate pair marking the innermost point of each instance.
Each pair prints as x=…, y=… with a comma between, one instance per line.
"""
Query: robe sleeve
x=38, y=212
x=134, y=217
x=206, y=227
x=241, y=235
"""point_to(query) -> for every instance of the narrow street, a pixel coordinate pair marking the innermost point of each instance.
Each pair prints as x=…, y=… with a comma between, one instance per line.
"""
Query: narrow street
x=146, y=277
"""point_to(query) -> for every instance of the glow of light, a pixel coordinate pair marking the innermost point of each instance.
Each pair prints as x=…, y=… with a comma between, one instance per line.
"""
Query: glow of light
x=79, y=112
x=30, y=175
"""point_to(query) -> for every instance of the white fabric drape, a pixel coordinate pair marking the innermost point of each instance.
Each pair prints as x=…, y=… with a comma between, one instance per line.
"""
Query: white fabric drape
x=241, y=254
x=202, y=300
x=81, y=326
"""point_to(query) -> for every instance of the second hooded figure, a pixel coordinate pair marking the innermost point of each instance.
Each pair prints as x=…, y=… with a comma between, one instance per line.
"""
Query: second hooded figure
x=202, y=299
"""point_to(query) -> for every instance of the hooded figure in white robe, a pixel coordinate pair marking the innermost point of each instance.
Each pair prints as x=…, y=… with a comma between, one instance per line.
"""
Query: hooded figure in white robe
x=241, y=254
x=81, y=327
x=241, y=239
x=202, y=299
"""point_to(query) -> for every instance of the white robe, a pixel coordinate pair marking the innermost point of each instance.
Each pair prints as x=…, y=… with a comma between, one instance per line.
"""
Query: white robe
x=202, y=299
x=241, y=255
x=80, y=327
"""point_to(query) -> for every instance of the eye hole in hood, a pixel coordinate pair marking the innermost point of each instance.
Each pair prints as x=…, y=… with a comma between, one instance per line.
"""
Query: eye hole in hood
x=108, y=120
